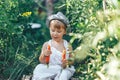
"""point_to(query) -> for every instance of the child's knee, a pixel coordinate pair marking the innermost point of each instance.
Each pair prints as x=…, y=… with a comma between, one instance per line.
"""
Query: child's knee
x=65, y=75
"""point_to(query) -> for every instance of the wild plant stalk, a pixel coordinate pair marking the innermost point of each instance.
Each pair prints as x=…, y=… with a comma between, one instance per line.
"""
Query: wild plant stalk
x=18, y=71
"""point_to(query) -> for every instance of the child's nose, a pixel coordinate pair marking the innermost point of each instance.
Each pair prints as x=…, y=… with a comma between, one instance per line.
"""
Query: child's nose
x=55, y=32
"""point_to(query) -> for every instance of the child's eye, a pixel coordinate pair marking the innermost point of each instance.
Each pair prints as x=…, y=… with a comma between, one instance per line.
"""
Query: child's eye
x=59, y=31
x=53, y=30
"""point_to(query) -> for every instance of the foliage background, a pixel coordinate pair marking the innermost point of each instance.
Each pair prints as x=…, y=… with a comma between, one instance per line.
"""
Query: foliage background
x=94, y=33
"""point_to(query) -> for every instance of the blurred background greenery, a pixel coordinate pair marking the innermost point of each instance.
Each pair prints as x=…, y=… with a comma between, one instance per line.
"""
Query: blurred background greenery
x=94, y=33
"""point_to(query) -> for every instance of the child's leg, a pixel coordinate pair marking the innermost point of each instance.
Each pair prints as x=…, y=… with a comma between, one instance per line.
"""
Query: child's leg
x=41, y=79
x=64, y=75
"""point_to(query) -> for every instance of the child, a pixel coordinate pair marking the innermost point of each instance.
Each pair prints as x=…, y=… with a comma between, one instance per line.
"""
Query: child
x=55, y=68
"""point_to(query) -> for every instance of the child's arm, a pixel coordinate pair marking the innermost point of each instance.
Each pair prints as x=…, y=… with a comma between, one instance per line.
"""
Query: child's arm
x=71, y=55
x=70, y=61
x=44, y=53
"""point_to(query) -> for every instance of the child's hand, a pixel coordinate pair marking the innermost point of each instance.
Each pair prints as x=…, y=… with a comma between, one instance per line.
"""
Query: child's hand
x=64, y=63
x=47, y=52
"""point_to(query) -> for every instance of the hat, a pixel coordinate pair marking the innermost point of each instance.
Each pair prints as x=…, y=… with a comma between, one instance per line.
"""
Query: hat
x=59, y=16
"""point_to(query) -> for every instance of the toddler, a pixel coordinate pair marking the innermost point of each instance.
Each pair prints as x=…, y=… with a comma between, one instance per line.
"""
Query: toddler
x=54, y=65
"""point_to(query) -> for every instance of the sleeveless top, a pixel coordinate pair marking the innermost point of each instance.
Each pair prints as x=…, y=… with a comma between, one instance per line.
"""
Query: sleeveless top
x=42, y=72
x=56, y=56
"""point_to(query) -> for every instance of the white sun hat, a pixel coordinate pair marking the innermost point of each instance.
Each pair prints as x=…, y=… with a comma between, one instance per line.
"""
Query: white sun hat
x=59, y=16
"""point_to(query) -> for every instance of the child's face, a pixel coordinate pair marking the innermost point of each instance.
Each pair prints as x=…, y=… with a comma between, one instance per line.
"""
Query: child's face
x=57, y=30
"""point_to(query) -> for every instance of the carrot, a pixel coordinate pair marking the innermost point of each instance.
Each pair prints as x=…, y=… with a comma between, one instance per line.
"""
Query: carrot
x=47, y=58
x=64, y=55
x=48, y=47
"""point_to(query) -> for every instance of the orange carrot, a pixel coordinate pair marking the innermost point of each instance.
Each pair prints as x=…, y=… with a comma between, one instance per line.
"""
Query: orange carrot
x=48, y=47
x=47, y=58
x=64, y=55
